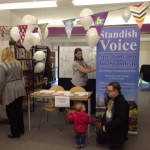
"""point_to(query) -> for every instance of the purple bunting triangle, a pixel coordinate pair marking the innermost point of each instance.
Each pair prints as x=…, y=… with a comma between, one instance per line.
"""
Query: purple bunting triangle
x=99, y=20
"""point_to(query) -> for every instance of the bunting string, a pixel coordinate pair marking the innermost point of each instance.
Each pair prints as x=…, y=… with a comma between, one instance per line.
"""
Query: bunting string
x=138, y=11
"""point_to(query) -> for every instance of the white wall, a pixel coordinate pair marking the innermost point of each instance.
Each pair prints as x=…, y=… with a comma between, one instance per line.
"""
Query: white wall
x=16, y=20
x=144, y=53
x=5, y=18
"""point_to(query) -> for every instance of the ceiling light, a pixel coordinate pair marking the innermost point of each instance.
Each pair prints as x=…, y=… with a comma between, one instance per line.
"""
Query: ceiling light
x=98, y=2
x=28, y=5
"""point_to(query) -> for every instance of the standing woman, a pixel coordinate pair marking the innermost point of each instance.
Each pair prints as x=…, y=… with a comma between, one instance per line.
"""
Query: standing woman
x=80, y=69
x=12, y=91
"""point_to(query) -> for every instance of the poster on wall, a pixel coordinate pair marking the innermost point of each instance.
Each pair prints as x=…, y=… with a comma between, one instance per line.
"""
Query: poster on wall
x=118, y=60
x=66, y=58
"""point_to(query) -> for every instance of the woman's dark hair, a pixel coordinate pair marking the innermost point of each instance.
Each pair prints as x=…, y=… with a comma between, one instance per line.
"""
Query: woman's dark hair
x=116, y=86
x=75, y=52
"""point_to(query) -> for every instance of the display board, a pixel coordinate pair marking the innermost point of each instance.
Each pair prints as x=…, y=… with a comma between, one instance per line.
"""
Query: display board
x=118, y=60
x=66, y=58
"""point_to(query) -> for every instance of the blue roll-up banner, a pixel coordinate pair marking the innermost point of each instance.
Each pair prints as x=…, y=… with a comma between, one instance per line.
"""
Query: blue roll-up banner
x=118, y=60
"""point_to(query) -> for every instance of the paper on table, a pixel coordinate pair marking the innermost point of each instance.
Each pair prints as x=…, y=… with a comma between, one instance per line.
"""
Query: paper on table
x=81, y=93
x=56, y=93
x=68, y=94
x=37, y=92
x=47, y=91
x=63, y=92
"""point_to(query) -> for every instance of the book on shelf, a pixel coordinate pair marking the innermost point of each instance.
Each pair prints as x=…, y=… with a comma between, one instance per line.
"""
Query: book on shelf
x=30, y=80
x=27, y=80
x=53, y=66
x=38, y=80
x=41, y=78
x=29, y=64
x=21, y=53
x=26, y=64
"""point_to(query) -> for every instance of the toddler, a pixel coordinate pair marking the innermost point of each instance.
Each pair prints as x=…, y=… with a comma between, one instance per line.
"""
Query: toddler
x=81, y=120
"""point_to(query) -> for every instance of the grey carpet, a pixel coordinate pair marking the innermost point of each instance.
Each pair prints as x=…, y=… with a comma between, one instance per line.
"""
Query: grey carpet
x=49, y=137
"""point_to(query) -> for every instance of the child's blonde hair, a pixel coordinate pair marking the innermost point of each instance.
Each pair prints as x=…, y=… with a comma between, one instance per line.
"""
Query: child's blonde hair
x=80, y=106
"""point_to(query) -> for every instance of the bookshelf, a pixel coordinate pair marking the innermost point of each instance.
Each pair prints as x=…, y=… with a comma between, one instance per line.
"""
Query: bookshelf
x=33, y=81
x=25, y=58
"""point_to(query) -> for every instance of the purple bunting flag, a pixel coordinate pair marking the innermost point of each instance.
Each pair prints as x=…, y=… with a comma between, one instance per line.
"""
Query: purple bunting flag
x=99, y=20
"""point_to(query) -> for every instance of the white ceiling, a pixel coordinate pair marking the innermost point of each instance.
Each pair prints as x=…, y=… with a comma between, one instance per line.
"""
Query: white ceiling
x=64, y=11
x=14, y=1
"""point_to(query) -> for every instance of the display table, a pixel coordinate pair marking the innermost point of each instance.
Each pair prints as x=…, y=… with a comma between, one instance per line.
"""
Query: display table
x=78, y=96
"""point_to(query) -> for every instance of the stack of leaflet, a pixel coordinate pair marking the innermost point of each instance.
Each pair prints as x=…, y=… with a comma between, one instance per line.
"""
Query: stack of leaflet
x=81, y=93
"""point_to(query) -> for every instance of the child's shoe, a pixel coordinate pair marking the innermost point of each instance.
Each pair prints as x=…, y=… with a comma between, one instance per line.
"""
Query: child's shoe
x=77, y=146
x=82, y=145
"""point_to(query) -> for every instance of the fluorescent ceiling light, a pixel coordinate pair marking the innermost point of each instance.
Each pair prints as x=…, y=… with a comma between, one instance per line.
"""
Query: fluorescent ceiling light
x=98, y=2
x=28, y=5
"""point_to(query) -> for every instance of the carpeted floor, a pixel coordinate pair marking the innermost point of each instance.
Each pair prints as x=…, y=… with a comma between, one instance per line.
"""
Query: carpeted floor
x=49, y=137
